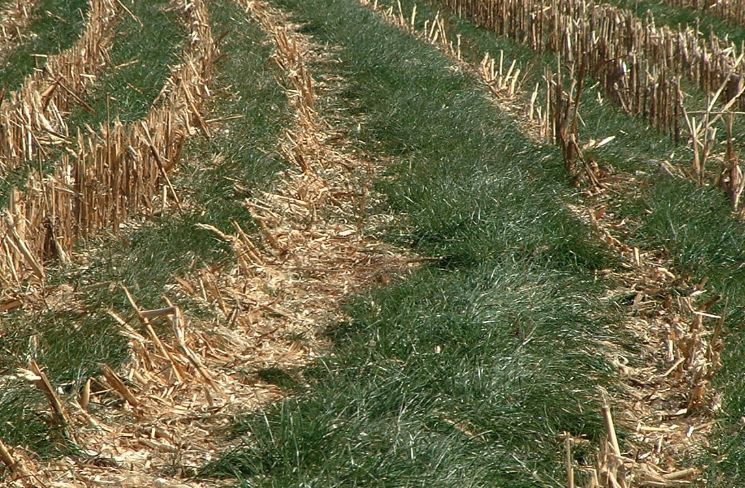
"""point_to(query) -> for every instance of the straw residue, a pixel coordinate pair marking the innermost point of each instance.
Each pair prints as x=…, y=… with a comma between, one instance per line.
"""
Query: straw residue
x=14, y=19
x=185, y=381
x=112, y=174
x=31, y=120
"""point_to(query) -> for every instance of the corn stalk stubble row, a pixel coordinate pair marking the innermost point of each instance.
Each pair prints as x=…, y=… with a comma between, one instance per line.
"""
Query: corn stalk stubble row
x=639, y=66
x=32, y=119
x=313, y=253
x=121, y=171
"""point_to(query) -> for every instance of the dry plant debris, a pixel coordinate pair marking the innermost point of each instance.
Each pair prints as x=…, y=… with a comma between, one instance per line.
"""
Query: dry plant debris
x=14, y=20
x=113, y=175
x=666, y=400
x=32, y=120
x=154, y=421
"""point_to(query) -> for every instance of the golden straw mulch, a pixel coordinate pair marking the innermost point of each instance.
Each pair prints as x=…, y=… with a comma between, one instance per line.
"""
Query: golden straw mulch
x=666, y=400
x=159, y=418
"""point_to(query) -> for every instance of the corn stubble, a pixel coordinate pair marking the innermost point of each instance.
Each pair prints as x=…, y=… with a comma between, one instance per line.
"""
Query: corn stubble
x=640, y=67
x=313, y=251
x=176, y=389
x=111, y=175
x=14, y=19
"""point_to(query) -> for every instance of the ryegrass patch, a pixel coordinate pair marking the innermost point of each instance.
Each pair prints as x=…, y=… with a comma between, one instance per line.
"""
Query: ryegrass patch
x=448, y=379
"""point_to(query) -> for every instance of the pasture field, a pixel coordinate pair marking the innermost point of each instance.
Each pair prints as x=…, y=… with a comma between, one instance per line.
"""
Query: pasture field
x=372, y=243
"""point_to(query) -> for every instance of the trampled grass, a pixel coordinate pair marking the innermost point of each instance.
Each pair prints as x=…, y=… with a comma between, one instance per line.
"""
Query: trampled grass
x=71, y=344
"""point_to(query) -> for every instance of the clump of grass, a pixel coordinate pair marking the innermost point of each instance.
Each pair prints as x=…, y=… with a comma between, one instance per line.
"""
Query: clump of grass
x=445, y=379
x=427, y=383
x=691, y=224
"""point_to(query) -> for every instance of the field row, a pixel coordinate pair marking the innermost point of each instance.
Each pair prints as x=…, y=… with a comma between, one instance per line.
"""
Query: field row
x=638, y=64
x=256, y=264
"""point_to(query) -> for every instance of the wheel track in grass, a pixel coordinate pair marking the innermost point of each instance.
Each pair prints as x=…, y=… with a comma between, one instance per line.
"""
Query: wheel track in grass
x=665, y=403
x=178, y=394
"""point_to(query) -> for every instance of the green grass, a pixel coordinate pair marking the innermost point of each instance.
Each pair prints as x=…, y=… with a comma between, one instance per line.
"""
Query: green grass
x=466, y=374
x=55, y=26
x=142, y=56
x=73, y=344
x=513, y=305
x=691, y=224
x=385, y=409
x=388, y=410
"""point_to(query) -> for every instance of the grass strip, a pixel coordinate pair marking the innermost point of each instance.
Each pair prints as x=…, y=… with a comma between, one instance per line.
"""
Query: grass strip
x=74, y=335
x=146, y=46
x=690, y=223
x=324, y=436
x=465, y=375
x=674, y=17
